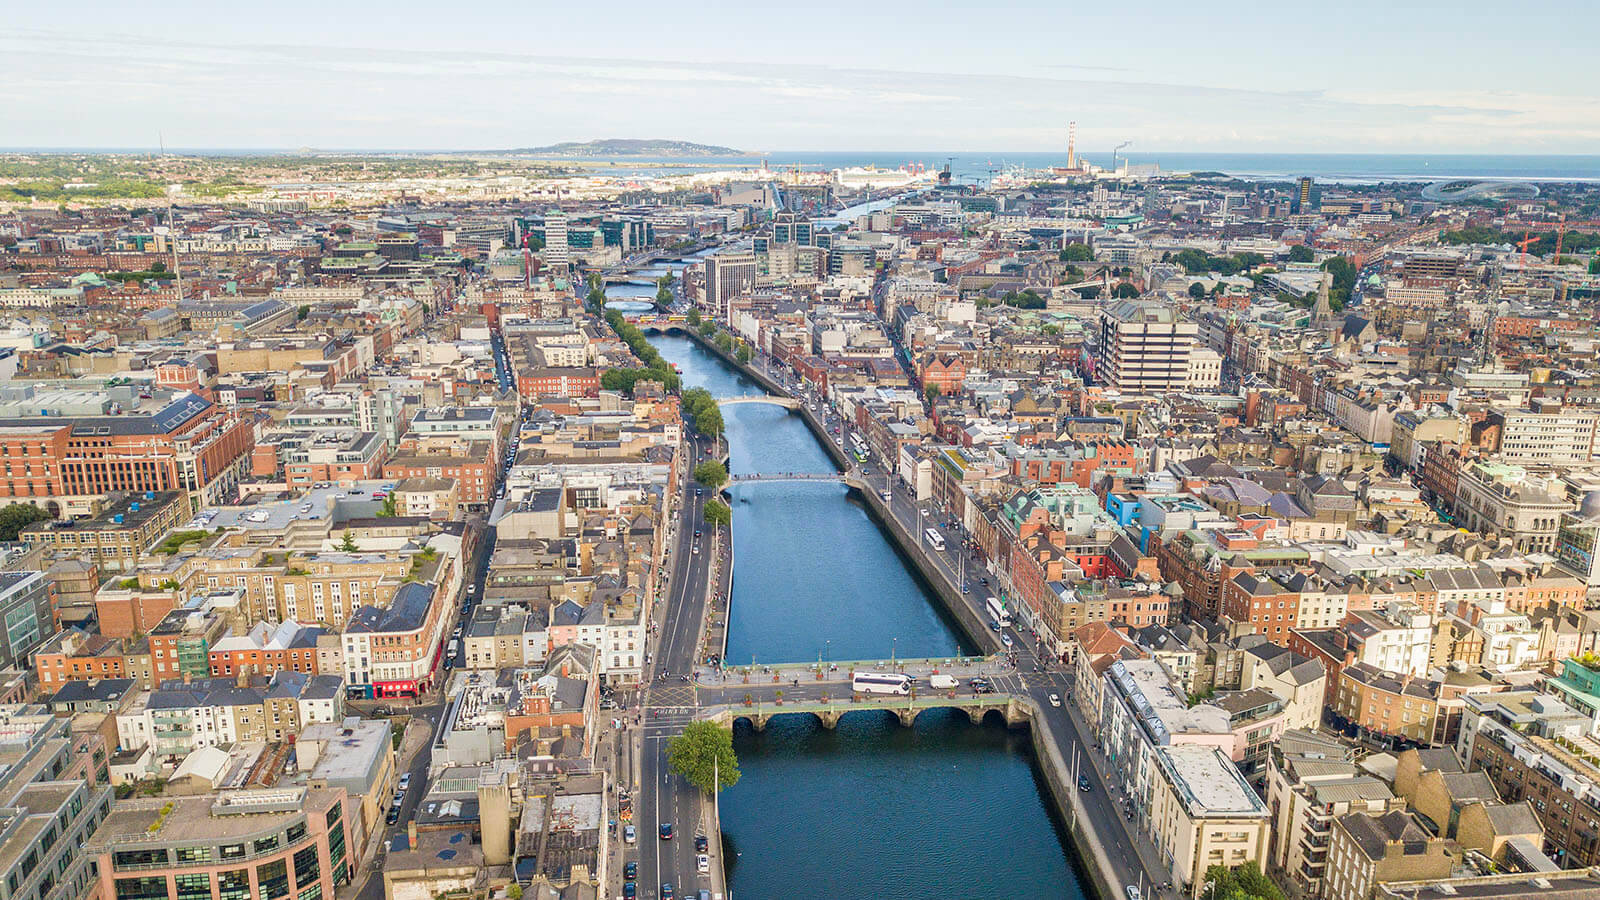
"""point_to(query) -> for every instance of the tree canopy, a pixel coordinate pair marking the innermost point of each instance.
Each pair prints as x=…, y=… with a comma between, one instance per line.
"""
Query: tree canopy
x=703, y=755
x=1199, y=262
x=1197, y=290
x=701, y=409
x=1124, y=291
x=711, y=474
x=655, y=367
x=18, y=516
x=718, y=514
x=1300, y=253
x=1076, y=253
x=1245, y=882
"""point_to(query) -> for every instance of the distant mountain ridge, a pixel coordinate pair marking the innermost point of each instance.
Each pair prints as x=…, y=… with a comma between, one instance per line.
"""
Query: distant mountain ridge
x=630, y=147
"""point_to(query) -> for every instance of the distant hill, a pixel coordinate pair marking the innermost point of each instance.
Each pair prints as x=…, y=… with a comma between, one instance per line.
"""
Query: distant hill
x=629, y=147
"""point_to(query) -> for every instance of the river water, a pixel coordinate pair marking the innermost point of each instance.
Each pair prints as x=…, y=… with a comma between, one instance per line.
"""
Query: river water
x=869, y=810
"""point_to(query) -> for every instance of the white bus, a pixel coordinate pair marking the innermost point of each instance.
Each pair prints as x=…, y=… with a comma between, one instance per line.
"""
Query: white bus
x=997, y=612
x=936, y=539
x=880, y=683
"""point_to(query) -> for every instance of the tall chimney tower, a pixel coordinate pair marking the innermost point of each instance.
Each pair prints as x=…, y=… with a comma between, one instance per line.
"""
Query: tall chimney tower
x=1072, y=145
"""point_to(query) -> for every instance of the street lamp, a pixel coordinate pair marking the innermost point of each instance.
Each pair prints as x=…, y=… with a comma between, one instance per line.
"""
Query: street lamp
x=893, y=645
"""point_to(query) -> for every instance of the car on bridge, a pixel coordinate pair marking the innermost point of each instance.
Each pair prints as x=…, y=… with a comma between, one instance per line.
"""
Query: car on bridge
x=701, y=844
x=666, y=831
x=1084, y=785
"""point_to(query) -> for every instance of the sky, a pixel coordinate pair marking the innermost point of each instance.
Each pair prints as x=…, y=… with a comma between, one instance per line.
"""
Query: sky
x=1356, y=76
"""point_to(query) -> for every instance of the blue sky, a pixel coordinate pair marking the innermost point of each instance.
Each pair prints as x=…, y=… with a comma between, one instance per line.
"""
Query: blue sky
x=1359, y=76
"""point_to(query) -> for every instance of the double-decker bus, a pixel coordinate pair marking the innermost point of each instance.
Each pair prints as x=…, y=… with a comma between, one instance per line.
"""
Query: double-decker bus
x=880, y=683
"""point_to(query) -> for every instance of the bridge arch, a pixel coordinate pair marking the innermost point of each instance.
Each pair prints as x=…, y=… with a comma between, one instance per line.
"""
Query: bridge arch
x=768, y=399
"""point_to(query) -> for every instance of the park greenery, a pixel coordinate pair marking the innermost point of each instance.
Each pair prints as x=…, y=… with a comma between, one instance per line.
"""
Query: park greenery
x=1199, y=262
x=703, y=755
x=702, y=412
x=717, y=513
x=1076, y=253
x=1300, y=253
x=18, y=516
x=711, y=474
x=1540, y=243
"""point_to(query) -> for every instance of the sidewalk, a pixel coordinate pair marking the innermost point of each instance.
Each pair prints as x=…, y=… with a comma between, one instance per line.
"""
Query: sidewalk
x=718, y=600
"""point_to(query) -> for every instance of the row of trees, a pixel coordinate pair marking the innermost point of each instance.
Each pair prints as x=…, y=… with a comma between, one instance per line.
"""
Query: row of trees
x=655, y=367
x=701, y=409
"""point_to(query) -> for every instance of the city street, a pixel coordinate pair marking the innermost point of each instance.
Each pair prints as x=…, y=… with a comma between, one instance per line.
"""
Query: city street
x=663, y=797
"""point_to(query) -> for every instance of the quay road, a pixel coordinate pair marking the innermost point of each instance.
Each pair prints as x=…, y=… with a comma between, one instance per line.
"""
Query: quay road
x=662, y=797
x=1131, y=856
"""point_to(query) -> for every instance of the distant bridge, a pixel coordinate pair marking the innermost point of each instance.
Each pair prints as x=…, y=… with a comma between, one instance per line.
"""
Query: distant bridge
x=785, y=402
x=760, y=477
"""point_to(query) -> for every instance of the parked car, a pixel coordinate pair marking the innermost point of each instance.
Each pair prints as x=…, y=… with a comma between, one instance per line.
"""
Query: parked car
x=630, y=871
x=629, y=833
x=405, y=781
x=701, y=845
x=702, y=864
x=629, y=890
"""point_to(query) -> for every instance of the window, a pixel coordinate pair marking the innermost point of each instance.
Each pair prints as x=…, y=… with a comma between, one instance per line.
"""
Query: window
x=266, y=844
x=295, y=832
x=273, y=878
x=147, y=888
x=129, y=859
x=306, y=866
x=232, y=851
x=194, y=886
x=188, y=855
x=233, y=884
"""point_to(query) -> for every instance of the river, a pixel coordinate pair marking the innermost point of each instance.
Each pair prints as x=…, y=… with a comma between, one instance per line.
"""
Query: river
x=940, y=810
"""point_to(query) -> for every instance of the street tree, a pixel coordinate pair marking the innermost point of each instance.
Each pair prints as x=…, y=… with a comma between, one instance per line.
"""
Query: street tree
x=703, y=755
x=1243, y=882
x=742, y=352
x=711, y=474
x=1197, y=290
x=718, y=514
x=693, y=317
x=931, y=392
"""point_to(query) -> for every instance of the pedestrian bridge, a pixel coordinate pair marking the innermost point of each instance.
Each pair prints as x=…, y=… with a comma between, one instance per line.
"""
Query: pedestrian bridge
x=785, y=402
x=760, y=477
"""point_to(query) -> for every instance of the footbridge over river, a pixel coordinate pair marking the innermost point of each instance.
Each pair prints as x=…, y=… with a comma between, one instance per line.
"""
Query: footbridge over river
x=770, y=400
x=763, y=477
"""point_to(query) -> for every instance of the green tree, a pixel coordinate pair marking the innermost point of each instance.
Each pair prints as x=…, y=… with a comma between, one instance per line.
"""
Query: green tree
x=1076, y=253
x=724, y=342
x=718, y=514
x=708, y=328
x=703, y=755
x=18, y=516
x=1124, y=291
x=931, y=392
x=1594, y=266
x=693, y=317
x=742, y=352
x=1197, y=290
x=389, y=508
x=1244, y=882
x=348, y=545
x=301, y=313
x=711, y=474
x=1300, y=253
